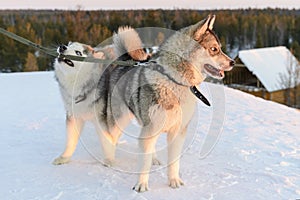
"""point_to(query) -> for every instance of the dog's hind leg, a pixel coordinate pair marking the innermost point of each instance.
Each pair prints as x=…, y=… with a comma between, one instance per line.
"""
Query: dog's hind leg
x=109, y=138
x=175, y=144
x=74, y=127
x=147, y=145
x=108, y=147
x=155, y=160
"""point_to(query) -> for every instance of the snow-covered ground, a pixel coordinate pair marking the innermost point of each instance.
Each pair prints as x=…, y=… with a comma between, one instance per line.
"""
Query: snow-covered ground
x=257, y=155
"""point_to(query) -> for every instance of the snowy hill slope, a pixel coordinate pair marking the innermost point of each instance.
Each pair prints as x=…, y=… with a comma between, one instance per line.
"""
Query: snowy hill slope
x=257, y=155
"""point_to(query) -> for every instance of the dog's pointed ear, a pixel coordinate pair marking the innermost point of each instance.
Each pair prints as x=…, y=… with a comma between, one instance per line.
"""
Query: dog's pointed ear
x=208, y=24
x=211, y=22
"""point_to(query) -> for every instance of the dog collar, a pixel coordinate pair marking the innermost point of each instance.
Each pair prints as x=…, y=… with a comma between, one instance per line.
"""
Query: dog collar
x=199, y=95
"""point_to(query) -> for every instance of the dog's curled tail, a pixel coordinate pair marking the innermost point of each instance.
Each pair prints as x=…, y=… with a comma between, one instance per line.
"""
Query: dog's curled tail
x=127, y=40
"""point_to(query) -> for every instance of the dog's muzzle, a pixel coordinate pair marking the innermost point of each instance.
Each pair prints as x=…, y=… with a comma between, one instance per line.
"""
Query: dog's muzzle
x=69, y=62
x=61, y=58
x=61, y=49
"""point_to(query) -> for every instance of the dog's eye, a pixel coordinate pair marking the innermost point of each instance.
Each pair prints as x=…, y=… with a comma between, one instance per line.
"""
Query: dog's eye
x=214, y=49
x=78, y=53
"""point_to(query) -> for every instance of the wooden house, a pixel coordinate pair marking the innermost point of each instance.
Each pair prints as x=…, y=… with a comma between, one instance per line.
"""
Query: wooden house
x=269, y=73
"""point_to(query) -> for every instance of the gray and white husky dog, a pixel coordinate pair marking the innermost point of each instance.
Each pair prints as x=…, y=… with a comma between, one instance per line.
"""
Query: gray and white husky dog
x=156, y=93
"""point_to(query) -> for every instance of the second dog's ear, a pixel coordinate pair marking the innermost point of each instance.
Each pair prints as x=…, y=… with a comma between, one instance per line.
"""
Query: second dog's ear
x=208, y=24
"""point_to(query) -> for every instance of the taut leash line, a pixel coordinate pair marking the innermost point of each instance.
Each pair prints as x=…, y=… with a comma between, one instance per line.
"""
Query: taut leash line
x=53, y=52
x=28, y=42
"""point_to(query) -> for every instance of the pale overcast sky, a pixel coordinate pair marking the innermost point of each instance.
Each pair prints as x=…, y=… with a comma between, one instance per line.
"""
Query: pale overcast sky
x=139, y=4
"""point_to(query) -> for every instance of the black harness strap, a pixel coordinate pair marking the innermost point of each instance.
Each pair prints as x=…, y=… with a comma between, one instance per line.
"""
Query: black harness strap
x=200, y=96
x=161, y=70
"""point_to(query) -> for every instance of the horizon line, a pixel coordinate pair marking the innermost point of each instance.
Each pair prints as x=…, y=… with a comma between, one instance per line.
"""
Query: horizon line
x=79, y=8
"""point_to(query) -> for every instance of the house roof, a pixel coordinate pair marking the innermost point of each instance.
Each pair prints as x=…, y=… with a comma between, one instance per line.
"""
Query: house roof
x=270, y=65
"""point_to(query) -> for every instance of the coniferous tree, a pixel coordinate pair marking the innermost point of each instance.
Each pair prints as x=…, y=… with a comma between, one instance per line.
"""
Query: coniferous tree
x=237, y=29
x=31, y=63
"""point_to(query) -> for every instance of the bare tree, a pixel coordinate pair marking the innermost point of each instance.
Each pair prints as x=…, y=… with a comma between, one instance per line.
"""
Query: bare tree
x=291, y=80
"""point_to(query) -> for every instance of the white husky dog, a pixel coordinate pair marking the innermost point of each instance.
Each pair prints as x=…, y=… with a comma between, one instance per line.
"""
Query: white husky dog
x=78, y=84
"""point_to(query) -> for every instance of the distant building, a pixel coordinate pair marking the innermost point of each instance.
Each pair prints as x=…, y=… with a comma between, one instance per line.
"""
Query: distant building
x=271, y=73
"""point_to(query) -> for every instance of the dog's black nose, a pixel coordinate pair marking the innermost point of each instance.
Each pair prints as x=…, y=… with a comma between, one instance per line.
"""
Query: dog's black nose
x=62, y=48
x=232, y=63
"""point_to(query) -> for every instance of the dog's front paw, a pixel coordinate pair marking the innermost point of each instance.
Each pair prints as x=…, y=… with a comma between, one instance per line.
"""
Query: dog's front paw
x=61, y=160
x=141, y=187
x=175, y=182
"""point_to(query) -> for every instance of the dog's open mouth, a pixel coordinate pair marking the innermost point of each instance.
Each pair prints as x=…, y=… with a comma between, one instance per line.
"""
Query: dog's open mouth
x=214, y=72
x=65, y=60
